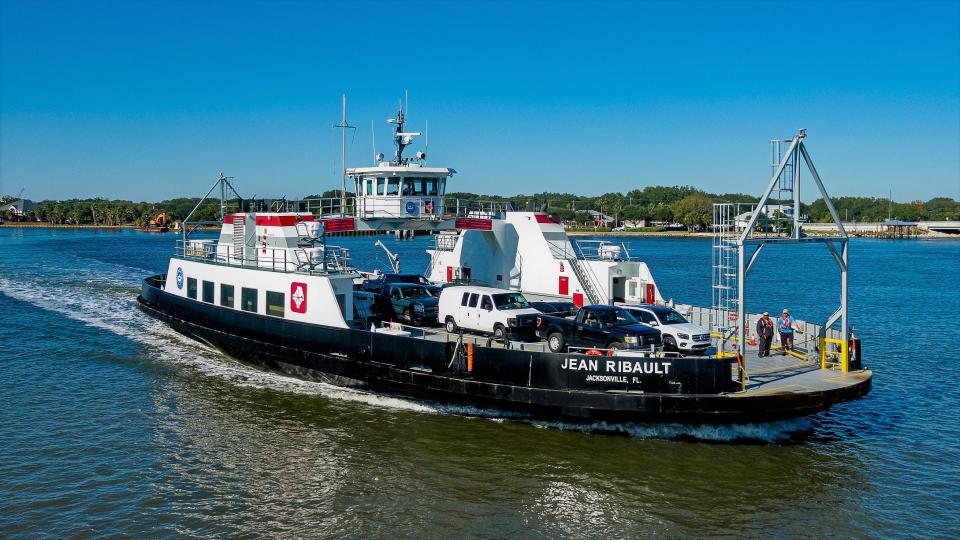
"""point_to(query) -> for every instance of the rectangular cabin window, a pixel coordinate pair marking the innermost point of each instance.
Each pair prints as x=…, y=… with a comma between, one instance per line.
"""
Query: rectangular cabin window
x=443, y=187
x=393, y=186
x=275, y=302
x=466, y=296
x=192, y=288
x=431, y=189
x=248, y=299
x=226, y=296
x=473, y=299
x=207, y=291
x=381, y=186
x=369, y=183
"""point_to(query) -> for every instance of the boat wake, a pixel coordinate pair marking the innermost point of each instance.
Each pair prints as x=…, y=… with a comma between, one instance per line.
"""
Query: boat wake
x=105, y=298
x=783, y=431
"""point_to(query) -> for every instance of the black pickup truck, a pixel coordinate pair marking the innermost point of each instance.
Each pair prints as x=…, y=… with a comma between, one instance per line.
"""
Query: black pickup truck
x=382, y=285
x=602, y=327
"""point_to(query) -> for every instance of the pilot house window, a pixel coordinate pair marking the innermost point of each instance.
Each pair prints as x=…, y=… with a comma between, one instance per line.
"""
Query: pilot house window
x=248, y=299
x=393, y=186
x=192, y=288
x=275, y=303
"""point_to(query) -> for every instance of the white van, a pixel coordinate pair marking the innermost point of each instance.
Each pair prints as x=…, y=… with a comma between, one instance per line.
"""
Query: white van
x=499, y=312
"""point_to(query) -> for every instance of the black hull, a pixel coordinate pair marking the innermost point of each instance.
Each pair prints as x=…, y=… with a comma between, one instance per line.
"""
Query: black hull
x=532, y=383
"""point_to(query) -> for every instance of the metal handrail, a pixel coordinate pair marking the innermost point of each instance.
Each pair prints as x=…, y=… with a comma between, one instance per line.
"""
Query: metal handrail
x=265, y=258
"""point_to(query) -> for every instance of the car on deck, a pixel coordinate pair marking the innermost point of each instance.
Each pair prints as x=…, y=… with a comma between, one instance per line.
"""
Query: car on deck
x=679, y=334
x=380, y=285
x=487, y=310
x=408, y=301
x=597, y=327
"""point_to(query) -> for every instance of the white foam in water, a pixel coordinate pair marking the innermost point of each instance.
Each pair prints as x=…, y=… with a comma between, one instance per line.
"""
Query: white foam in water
x=771, y=432
x=83, y=297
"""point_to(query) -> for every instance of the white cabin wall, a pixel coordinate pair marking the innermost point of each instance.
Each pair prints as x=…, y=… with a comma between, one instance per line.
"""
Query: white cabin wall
x=321, y=308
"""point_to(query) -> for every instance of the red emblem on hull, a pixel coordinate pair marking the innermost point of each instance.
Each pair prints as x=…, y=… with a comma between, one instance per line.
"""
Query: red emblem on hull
x=298, y=297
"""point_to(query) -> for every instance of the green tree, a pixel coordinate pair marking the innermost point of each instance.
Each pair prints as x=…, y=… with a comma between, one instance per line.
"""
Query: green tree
x=695, y=210
x=582, y=217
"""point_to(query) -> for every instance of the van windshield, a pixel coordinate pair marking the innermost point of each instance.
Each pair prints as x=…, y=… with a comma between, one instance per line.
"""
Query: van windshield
x=506, y=301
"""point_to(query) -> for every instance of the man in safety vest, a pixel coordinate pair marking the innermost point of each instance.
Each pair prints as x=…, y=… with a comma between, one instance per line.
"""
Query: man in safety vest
x=785, y=327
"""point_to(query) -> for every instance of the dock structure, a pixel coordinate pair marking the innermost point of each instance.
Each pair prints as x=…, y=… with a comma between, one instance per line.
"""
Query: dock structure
x=737, y=246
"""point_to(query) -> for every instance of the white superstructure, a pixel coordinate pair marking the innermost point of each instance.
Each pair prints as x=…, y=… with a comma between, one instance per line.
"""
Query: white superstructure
x=528, y=252
x=273, y=264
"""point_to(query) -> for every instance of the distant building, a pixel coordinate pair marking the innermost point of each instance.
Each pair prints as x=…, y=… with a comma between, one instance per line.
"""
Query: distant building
x=634, y=223
x=769, y=210
x=19, y=207
x=601, y=220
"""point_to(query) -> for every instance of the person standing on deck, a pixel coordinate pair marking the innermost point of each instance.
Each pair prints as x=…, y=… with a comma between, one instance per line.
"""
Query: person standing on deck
x=765, y=333
x=785, y=327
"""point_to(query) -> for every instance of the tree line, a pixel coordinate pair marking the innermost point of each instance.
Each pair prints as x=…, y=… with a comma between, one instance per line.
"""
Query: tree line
x=664, y=204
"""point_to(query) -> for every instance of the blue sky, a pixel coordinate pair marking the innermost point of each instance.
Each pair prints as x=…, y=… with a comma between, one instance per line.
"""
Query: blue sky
x=149, y=100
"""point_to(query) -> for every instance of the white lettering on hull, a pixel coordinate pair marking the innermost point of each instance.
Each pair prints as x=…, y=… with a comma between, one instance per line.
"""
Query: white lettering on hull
x=617, y=366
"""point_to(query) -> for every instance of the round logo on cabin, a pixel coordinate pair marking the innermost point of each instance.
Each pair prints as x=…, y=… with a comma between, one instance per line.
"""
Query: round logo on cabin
x=411, y=207
x=179, y=278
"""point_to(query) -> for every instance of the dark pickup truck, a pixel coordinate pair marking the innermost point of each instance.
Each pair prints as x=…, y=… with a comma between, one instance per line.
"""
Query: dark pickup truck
x=602, y=327
x=381, y=286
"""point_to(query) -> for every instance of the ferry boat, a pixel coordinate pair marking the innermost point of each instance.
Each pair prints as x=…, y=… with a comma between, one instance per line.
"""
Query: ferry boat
x=271, y=290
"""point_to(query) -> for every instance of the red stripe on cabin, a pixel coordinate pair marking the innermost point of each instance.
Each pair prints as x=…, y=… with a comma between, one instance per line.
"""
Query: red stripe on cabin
x=339, y=224
x=228, y=218
x=282, y=221
x=474, y=224
x=543, y=218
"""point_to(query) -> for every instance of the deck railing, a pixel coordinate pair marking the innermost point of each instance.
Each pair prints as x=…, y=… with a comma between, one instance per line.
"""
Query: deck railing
x=333, y=259
x=808, y=337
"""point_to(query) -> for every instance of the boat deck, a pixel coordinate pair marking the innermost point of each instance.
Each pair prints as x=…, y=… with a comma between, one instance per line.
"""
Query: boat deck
x=789, y=374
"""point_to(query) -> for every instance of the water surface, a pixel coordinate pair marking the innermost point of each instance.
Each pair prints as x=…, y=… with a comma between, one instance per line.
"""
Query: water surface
x=113, y=424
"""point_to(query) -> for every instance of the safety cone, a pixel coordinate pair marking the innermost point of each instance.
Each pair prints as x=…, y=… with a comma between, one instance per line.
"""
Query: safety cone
x=753, y=340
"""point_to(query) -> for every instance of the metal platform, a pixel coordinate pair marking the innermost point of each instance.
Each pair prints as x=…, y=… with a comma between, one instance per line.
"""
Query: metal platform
x=778, y=374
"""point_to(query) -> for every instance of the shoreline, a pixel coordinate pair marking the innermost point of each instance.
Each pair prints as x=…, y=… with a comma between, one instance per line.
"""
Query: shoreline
x=572, y=233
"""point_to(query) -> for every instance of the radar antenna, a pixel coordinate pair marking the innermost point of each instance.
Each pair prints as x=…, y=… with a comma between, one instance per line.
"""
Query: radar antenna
x=401, y=138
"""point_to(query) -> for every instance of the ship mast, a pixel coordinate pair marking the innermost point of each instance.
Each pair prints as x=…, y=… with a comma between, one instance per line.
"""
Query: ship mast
x=401, y=138
x=343, y=126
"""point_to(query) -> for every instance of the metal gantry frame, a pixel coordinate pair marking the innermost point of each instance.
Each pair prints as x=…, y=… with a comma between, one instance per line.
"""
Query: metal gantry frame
x=790, y=164
x=226, y=187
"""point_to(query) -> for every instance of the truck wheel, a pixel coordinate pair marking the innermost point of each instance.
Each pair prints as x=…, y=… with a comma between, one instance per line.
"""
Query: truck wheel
x=451, y=325
x=499, y=332
x=669, y=344
x=411, y=315
x=555, y=342
x=615, y=345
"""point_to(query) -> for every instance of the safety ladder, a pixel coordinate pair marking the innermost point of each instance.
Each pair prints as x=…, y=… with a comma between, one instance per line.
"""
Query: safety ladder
x=238, y=237
x=583, y=277
x=724, y=268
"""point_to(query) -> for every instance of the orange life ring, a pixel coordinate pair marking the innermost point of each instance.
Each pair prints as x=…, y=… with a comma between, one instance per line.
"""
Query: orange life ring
x=593, y=352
